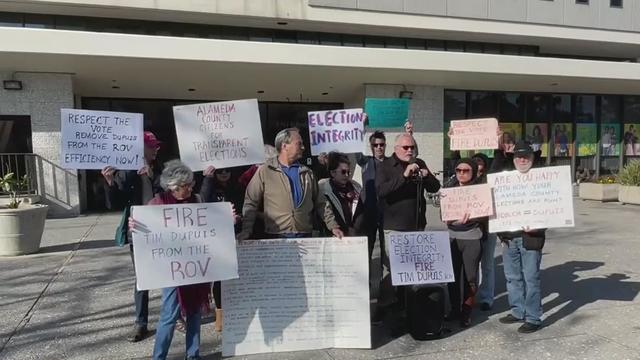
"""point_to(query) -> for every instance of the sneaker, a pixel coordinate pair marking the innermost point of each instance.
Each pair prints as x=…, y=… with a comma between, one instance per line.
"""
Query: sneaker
x=140, y=333
x=485, y=307
x=509, y=319
x=528, y=327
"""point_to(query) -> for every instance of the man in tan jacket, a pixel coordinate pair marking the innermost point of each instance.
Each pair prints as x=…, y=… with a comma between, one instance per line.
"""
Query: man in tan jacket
x=284, y=190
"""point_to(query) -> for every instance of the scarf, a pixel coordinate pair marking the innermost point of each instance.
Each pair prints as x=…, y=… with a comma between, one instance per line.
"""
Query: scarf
x=347, y=194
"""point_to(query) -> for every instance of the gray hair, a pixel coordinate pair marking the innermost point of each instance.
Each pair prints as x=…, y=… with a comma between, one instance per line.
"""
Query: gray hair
x=270, y=152
x=284, y=137
x=175, y=174
x=403, y=135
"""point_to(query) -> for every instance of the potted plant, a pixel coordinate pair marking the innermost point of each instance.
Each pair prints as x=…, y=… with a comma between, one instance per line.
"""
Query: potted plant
x=21, y=224
x=629, y=179
x=604, y=188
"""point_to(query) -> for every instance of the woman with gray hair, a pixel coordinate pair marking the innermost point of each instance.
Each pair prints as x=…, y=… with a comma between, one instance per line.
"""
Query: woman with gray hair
x=191, y=300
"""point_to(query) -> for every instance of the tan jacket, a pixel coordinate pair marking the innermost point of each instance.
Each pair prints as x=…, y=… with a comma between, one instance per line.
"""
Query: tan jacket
x=269, y=191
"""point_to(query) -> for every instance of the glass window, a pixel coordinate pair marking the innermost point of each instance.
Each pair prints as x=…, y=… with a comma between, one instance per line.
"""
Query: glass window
x=285, y=36
x=330, y=39
x=455, y=105
x=435, y=45
x=39, y=21
x=538, y=108
x=233, y=33
x=482, y=104
x=352, y=40
x=582, y=2
x=615, y=3
x=473, y=47
x=307, y=37
x=610, y=109
x=490, y=48
x=511, y=107
x=585, y=108
x=416, y=44
x=11, y=20
x=71, y=23
x=632, y=109
x=374, y=41
x=395, y=43
x=511, y=49
x=457, y=46
x=264, y=35
x=562, y=108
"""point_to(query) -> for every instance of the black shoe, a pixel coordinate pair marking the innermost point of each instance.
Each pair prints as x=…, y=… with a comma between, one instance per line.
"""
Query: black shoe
x=485, y=307
x=140, y=333
x=528, y=328
x=378, y=316
x=509, y=319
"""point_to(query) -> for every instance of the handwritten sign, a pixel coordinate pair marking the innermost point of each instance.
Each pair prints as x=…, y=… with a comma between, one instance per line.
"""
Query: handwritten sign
x=183, y=244
x=297, y=294
x=222, y=134
x=419, y=257
x=96, y=139
x=336, y=130
x=475, y=200
x=474, y=134
x=387, y=113
x=540, y=198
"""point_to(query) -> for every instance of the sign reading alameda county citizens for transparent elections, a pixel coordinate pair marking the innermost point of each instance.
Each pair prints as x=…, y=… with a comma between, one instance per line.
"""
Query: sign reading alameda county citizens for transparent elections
x=183, y=244
x=541, y=198
x=222, y=134
x=96, y=139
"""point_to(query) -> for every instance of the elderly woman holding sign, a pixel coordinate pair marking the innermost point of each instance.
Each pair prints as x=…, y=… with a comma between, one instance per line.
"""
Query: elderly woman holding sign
x=466, y=237
x=189, y=300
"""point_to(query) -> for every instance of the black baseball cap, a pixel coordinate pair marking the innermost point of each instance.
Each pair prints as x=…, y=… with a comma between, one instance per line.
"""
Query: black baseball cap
x=522, y=148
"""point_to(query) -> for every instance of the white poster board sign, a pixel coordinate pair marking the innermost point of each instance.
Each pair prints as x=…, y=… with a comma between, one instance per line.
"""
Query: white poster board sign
x=419, y=257
x=297, y=294
x=541, y=198
x=475, y=200
x=183, y=244
x=222, y=134
x=474, y=134
x=336, y=130
x=97, y=139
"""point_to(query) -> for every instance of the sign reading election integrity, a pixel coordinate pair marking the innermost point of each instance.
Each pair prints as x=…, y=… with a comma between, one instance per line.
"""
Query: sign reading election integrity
x=474, y=134
x=475, y=200
x=96, y=139
x=183, y=244
x=419, y=257
x=222, y=134
x=336, y=130
x=386, y=113
x=540, y=198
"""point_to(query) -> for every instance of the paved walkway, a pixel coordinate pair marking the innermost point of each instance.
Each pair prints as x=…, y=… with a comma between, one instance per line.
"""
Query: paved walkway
x=73, y=300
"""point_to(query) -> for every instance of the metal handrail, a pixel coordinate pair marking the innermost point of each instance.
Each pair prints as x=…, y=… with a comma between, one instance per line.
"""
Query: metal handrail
x=20, y=164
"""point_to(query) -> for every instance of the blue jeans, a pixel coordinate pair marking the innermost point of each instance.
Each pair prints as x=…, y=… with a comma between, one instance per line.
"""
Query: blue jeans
x=486, y=291
x=522, y=271
x=169, y=314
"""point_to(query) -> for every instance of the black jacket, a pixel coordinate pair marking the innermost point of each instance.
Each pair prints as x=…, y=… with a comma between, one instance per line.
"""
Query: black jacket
x=399, y=196
x=126, y=189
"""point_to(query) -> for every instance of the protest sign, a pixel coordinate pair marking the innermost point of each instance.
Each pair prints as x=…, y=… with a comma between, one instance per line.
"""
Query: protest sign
x=222, y=134
x=457, y=201
x=540, y=198
x=386, y=113
x=183, y=244
x=419, y=257
x=474, y=134
x=336, y=130
x=97, y=139
x=298, y=294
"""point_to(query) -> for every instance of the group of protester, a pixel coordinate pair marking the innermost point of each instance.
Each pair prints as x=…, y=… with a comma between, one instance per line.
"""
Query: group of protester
x=282, y=198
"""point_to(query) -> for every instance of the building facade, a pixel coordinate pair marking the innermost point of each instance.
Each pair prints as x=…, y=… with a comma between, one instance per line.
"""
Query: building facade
x=562, y=73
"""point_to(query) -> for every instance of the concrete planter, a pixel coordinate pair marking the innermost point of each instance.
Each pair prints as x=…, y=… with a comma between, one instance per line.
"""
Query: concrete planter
x=629, y=194
x=21, y=229
x=601, y=192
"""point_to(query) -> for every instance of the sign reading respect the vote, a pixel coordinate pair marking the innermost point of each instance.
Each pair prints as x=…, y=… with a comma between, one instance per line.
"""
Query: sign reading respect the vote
x=183, y=244
x=96, y=139
x=222, y=134
x=540, y=198
x=475, y=200
x=298, y=294
x=386, y=113
x=474, y=134
x=336, y=130
x=419, y=257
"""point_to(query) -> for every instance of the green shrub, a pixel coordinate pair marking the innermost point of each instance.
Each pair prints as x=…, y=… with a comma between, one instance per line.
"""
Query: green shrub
x=630, y=174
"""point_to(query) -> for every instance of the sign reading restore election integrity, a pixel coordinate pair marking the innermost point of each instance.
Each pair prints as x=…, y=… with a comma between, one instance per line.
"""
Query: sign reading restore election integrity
x=419, y=257
x=336, y=130
x=97, y=139
x=183, y=244
x=298, y=294
x=540, y=198
x=387, y=113
x=475, y=200
x=474, y=134
x=222, y=134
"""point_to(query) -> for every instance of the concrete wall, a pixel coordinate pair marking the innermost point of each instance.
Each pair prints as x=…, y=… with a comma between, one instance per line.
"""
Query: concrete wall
x=42, y=97
x=598, y=14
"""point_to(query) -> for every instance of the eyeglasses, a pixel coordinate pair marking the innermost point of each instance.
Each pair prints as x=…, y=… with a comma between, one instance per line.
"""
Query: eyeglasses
x=345, y=172
x=378, y=145
x=408, y=147
x=463, y=171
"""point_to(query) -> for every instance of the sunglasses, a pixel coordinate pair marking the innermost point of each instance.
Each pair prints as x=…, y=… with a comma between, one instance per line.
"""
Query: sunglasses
x=463, y=171
x=223, y=171
x=408, y=147
x=343, y=172
x=378, y=145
